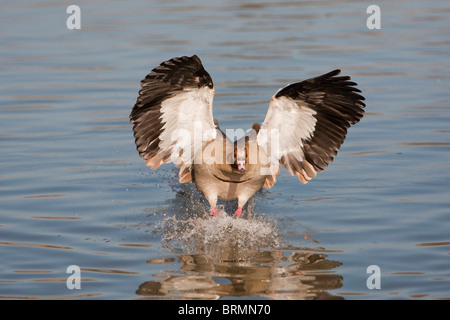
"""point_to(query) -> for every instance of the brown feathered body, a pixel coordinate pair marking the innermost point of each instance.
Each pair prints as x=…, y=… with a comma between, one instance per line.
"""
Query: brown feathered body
x=305, y=125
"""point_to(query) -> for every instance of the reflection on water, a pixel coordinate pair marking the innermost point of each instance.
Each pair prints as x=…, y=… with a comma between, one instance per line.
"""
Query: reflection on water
x=269, y=274
x=224, y=256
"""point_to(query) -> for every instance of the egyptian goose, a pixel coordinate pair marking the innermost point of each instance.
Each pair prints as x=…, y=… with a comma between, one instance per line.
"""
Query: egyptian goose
x=304, y=127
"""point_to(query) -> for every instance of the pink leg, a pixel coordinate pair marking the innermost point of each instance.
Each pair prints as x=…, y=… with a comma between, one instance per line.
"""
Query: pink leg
x=238, y=212
x=214, y=211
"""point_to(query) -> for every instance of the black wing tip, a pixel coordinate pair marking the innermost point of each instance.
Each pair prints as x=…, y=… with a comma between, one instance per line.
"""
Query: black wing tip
x=332, y=73
x=181, y=72
x=182, y=60
x=171, y=76
x=325, y=81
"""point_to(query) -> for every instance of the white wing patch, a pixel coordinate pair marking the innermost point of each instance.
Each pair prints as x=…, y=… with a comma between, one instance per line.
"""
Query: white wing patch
x=188, y=124
x=287, y=124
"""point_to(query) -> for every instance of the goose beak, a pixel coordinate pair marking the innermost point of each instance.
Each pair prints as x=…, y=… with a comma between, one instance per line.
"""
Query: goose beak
x=240, y=160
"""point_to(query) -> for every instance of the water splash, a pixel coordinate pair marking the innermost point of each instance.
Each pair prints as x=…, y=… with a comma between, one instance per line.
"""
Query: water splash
x=188, y=228
x=215, y=235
